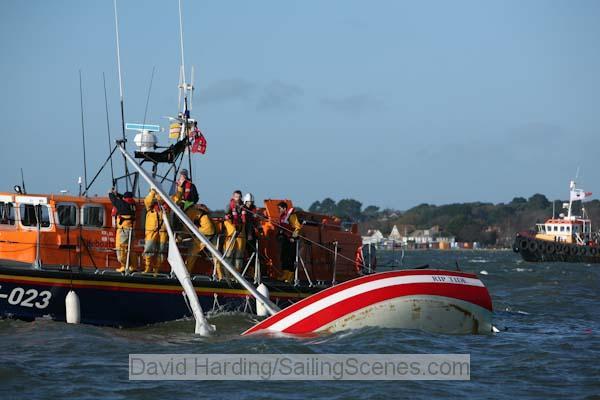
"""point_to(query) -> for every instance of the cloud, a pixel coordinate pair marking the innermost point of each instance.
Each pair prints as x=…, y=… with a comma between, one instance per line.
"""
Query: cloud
x=273, y=95
x=225, y=90
x=538, y=133
x=278, y=95
x=354, y=104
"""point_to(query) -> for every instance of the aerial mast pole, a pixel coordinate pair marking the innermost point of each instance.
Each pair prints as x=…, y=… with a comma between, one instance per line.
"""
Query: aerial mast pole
x=184, y=88
x=571, y=190
x=121, y=92
x=82, y=131
x=112, y=171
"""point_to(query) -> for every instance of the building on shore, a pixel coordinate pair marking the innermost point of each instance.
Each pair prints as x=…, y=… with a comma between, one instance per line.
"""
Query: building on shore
x=406, y=236
x=373, y=236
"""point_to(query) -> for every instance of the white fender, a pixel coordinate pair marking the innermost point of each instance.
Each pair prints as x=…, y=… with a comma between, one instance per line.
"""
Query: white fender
x=261, y=311
x=73, y=311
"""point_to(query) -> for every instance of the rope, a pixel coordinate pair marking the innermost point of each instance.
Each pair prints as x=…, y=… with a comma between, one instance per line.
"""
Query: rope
x=99, y=171
x=302, y=237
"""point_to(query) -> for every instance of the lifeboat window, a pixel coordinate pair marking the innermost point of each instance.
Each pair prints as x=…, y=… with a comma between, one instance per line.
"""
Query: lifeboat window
x=66, y=214
x=568, y=228
x=562, y=228
x=93, y=216
x=7, y=213
x=29, y=215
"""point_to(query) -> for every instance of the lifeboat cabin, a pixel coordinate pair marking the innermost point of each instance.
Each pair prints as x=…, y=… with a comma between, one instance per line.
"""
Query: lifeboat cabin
x=71, y=232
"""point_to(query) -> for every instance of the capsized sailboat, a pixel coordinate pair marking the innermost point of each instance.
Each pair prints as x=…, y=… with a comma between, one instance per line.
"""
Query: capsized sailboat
x=431, y=300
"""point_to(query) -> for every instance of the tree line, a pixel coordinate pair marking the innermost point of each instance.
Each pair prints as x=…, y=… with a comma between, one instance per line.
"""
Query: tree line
x=488, y=223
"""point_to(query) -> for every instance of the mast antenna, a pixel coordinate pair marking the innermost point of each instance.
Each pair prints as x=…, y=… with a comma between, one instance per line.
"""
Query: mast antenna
x=82, y=130
x=121, y=92
x=181, y=45
x=192, y=89
x=112, y=171
x=185, y=88
x=23, y=182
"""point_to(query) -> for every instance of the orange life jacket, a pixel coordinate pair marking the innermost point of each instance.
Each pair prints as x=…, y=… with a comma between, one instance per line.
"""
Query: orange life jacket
x=236, y=213
x=284, y=222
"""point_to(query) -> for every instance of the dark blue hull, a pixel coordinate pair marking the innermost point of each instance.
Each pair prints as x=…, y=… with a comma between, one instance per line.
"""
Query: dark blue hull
x=122, y=301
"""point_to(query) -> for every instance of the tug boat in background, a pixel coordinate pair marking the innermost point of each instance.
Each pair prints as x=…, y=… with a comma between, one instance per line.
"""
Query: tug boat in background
x=568, y=238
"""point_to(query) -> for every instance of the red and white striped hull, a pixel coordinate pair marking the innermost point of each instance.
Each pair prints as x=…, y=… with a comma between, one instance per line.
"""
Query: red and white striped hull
x=431, y=300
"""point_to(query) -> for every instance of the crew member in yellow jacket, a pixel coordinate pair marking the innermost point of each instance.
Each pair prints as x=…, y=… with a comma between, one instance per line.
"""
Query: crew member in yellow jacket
x=200, y=215
x=156, y=239
x=124, y=211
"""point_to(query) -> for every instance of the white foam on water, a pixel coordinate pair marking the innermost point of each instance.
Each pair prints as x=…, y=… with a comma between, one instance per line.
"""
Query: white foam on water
x=484, y=272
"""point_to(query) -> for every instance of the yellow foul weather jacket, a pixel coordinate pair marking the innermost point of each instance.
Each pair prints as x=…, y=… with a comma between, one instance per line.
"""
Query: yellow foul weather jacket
x=155, y=227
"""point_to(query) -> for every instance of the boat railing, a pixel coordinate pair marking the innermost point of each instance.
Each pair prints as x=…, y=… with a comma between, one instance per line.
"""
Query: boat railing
x=300, y=262
x=89, y=254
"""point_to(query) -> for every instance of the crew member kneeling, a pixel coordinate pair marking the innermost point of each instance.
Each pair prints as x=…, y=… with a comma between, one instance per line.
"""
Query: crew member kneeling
x=201, y=217
x=288, y=233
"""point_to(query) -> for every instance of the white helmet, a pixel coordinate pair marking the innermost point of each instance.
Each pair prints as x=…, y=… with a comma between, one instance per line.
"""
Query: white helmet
x=248, y=197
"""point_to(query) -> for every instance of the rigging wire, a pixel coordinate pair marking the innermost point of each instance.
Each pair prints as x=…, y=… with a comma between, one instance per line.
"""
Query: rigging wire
x=148, y=96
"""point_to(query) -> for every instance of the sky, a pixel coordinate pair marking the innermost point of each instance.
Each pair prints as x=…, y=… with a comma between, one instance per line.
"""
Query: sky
x=393, y=103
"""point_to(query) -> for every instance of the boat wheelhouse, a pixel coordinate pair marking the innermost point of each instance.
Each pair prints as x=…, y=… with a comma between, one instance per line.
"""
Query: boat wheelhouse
x=572, y=230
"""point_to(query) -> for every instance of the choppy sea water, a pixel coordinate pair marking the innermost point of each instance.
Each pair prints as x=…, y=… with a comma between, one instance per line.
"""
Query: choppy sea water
x=548, y=347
